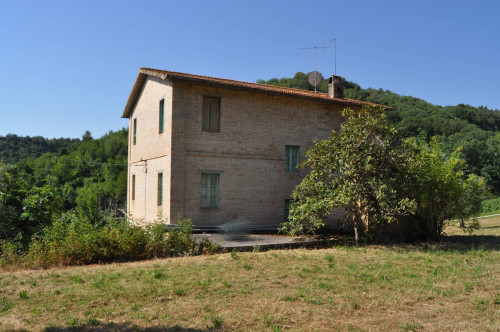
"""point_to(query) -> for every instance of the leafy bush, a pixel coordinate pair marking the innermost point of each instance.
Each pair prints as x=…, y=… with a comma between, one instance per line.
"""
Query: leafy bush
x=73, y=240
x=380, y=179
x=491, y=205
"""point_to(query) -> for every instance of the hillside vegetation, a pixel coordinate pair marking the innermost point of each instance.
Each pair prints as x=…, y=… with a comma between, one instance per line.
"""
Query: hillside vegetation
x=475, y=129
x=87, y=176
x=15, y=148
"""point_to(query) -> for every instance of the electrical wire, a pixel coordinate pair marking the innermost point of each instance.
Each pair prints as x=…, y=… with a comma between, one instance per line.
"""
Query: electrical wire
x=70, y=159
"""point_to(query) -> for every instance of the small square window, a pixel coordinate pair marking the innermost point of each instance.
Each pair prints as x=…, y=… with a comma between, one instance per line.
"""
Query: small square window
x=211, y=114
x=210, y=190
x=291, y=158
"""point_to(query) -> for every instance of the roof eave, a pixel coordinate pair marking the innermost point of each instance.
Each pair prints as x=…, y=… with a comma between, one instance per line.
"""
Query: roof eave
x=145, y=72
x=136, y=90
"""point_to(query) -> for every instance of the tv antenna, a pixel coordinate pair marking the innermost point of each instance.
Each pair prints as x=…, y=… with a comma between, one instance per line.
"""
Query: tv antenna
x=315, y=63
x=335, y=40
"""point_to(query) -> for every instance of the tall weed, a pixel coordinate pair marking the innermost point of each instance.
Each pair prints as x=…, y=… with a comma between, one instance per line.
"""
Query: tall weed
x=73, y=240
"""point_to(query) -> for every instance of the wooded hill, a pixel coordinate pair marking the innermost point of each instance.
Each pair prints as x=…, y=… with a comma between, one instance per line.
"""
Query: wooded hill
x=87, y=173
x=475, y=129
x=15, y=148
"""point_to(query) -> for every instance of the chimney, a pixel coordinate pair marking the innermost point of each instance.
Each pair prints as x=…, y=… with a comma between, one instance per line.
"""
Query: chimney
x=336, y=87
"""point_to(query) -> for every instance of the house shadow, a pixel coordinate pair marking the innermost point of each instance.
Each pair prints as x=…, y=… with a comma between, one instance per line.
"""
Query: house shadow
x=452, y=243
x=469, y=242
x=122, y=327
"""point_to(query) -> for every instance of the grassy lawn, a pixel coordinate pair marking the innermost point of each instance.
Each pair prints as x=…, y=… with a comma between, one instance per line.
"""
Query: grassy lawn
x=450, y=286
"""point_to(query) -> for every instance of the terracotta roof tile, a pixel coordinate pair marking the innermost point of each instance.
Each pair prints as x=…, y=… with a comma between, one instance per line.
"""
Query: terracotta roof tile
x=256, y=86
x=319, y=96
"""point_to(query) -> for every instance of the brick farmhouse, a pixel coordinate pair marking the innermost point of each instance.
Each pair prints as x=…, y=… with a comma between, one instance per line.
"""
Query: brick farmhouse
x=216, y=150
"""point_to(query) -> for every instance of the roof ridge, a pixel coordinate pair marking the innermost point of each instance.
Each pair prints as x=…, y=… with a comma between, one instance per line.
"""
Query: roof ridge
x=264, y=88
x=232, y=80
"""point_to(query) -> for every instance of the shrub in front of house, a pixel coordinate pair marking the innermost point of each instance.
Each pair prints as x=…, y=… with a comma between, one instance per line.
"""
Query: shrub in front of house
x=72, y=240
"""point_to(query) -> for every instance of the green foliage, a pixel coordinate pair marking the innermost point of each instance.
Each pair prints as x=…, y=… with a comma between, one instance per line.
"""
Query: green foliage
x=35, y=192
x=491, y=205
x=73, y=240
x=299, y=81
x=443, y=192
x=90, y=175
x=377, y=177
x=361, y=168
x=24, y=209
x=15, y=148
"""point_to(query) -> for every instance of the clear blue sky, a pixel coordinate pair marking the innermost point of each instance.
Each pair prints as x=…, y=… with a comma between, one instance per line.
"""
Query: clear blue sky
x=69, y=66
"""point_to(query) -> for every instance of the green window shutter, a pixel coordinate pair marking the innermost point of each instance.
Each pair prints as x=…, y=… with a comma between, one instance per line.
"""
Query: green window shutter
x=206, y=114
x=295, y=158
x=135, y=131
x=287, y=209
x=211, y=114
x=204, y=190
x=209, y=190
x=215, y=114
x=291, y=158
x=160, y=189
x=287, y=158
x=162, y=116
x=133, y=187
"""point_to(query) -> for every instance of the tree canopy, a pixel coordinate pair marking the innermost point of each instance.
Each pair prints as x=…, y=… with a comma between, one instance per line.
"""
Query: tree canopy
x=369, y=170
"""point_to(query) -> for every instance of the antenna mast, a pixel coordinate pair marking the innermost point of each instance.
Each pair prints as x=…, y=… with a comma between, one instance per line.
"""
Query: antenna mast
x=315, y=61
x=335, y=39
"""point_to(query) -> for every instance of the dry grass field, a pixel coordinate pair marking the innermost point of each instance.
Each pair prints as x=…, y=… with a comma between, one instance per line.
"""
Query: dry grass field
x=450, y=286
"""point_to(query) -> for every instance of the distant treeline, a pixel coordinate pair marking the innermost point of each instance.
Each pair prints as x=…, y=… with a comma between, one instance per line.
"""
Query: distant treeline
x=88, y=176
x=475, y=129
x=15, y=148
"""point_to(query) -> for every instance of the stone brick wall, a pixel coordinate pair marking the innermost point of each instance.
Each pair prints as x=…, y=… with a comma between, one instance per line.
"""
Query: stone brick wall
x=248, y=152
x=152, y=149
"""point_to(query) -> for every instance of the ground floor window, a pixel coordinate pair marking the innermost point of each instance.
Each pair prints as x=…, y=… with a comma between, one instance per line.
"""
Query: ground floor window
x=160, y=189
x=288, y=202
x=209, y=190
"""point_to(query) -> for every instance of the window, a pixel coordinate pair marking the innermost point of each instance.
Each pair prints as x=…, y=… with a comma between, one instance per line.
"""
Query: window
x=160, y=189
x=288, y=202
x=162, y=116
x=211, y=114
x=291, y=158
x=135, y=131
x=133, y=187
x=209, y=190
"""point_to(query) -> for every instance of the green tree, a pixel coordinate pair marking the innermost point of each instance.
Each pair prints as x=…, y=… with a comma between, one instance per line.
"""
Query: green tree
x=377, y=177
x=442, y=191
x=362, y=168
x=24, y=209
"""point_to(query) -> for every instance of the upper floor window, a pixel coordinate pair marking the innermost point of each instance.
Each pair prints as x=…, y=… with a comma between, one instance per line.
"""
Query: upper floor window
x=209, y=190
x=133, y=187
x=291, y=158
x=162, y=116
x=135, y=131
x=211, y=114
